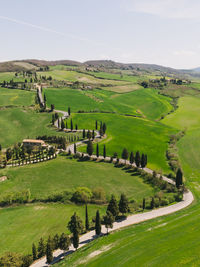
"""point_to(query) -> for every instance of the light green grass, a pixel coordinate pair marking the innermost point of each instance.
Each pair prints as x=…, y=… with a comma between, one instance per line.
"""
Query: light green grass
x=145, y=102
x=135, y=134
x=23, y=225
x=47, y=178
x=16, y=97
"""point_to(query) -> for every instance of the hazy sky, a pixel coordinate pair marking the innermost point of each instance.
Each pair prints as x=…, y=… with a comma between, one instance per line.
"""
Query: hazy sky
x=165, y=32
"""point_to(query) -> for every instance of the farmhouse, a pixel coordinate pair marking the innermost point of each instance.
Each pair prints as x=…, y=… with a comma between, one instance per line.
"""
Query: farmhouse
x=33, y=142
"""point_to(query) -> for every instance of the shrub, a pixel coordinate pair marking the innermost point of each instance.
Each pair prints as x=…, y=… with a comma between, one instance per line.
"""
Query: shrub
x=82, y=195
x=164, y=202
x=98, y=195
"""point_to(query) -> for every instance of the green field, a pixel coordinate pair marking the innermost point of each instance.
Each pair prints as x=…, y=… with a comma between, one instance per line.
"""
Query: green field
x=58, y=175
x=19, y=123
x=144, y=102
x=14, y=97
x=21, y=226
x=132, y=133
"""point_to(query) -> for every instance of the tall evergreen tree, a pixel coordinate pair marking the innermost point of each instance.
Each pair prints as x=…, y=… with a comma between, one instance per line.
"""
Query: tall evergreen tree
x=64, y=242
x=75, y=224
x=98, y=223
x=104, y=151
x=53, y=119
x=62, y=124
x=89, y=135
x=66, y=125
x=113, y=206
x=123, y=204
x=87, y=226
x=49, y=250
x=74, y=148
x=143, y=161
x=56, y=241
x=75, y=239
x=93, y=135
x=76, y=127
x=104, y=128
x=131, y=158
x=137, y=159
x=89, y=148
x=58, y=123
x=72, y=125
x=179, y=178
x=152, y=203
x=125, y=154
x=101, y=131
x=34, y=252
x=143, y=203
x=96, y=125
x=108, y=220
x=41, y=248
x=69, y=111
x=97, y=150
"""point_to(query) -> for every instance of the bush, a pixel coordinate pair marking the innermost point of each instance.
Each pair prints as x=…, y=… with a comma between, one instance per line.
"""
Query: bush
x=164, y=202
x=82, y=195
x=98, y=195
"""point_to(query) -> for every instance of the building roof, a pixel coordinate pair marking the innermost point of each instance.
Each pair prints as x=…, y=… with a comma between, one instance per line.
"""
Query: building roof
x=33, y=141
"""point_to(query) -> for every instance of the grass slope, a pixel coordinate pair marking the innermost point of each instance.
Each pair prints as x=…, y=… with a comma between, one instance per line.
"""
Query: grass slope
x=62, y=174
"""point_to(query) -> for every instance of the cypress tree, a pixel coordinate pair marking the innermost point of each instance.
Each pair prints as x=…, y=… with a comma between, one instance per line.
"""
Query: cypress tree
x=143, y=203
x=104, y=151
x=123, y=204
x=179, y=178
x=108, y=220
x=89, y=135
x=41, y=248
x=76, y=127
x=96, y=125
x=93, y=135
x=98, y=223
x=137, y=159
x=90, y=148
x=87, y=226
x=75, y=239
x=104, y=128
x=64, y=242
x=66, y=125
x=97, y=150
x=101, y=131
x=62, y=124
x=152, y=203
x=125, y=154
x=58, y=123
x=112, y=206
x=56, y=241
x=131, y=158
x=74, y=148
x=72, y=125
x=75, y=224
x=34, y=252
x=49, y=251
x=69, y=111
x=143, y=161
x=53, y=119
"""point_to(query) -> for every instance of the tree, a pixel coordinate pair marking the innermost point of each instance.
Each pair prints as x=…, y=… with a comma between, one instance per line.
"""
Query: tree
x=104, y=128
x=123, y=204
x=34, y=252
x=75, y=239
x=87, y=226
x=83, y=133
x=112, y=206
x=49, y=250
x=96, y=125
x=89, y=135
x=137, y=159
x=52, y=107
x=74, y=148
x=76, y=127
x=11, y=259
x=56, y=241
x=62, y=124
x=143, y=161
x=75, y=224
x=97, y=150
x=143, y=203
x=66, y=125
x=69, y=111
x=64, y=242
x=125, y=154
x=101, y=131
x=152, y=203
x=104, y=151
x=98, y=223
x=93, y=135
x=41, y=248
x=58, y=123
x=132, y=158
x=179, y=178
x=108, y=220
x=90, y=148
x=72, y=125
x=53, y=119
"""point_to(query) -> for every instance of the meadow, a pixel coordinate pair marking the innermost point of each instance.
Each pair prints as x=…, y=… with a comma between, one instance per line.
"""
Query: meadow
x=61, y=174
x=145, y=102
x=22, y=225
x=148, y=137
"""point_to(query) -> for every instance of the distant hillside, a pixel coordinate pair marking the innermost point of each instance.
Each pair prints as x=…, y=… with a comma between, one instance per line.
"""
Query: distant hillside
x=34, y=64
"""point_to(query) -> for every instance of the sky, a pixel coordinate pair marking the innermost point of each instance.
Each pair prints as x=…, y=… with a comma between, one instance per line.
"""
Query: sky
x=164, y=32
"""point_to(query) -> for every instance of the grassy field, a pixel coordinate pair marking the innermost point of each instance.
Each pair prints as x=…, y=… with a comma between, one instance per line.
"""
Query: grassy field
x=21, y=226
x=19, y=123
x=133, y=133
x=145, y=102
x=16, y=97
x=44, y=179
